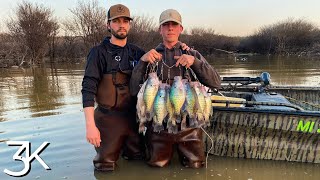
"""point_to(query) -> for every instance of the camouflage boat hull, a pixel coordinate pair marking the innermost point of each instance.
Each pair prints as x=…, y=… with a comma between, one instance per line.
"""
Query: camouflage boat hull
x=274, y=133
x=262, y=134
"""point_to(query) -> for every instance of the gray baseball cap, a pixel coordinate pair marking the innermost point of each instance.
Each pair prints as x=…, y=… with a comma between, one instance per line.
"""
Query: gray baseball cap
x=170, y=15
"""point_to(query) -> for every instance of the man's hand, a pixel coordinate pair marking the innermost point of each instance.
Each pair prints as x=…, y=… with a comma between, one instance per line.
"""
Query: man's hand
x=151, y=57
x=93, y=133
x=185, y=47
x=93, y=136
x=184, y=60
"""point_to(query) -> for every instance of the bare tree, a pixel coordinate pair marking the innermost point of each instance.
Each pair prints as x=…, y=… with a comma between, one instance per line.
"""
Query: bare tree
x=201, y=31
x=144, y=32
x=286, y=37
x=143, y=24
x=207, y=42
x=33, y=27
x=88, y=22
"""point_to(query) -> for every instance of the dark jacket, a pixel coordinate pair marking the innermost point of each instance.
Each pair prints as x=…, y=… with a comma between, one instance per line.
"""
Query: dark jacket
x=206, y=74
x=102, y=60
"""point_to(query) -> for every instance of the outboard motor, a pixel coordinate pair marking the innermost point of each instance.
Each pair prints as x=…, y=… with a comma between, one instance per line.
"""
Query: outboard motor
x=265, y=79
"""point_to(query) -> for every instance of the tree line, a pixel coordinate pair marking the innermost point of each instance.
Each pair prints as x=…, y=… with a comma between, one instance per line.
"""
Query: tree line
x=34, y=34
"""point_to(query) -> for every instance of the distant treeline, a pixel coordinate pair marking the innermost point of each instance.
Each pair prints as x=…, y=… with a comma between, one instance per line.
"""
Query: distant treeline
x=34, y=34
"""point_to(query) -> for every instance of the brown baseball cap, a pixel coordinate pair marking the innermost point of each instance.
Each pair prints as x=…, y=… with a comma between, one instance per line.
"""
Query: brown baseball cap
x=170, y=15
x=117, y=11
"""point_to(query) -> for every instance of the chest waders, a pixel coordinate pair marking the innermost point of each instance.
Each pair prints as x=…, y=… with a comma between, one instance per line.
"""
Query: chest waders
x=189, y=143
x=116, y=120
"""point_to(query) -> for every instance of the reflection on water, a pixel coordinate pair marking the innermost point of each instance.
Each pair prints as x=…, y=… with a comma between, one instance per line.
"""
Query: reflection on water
x=44, y=92
x=2, y=140
x=37, y=92
x=1, y=103
x=283, y=70
x=44, y=104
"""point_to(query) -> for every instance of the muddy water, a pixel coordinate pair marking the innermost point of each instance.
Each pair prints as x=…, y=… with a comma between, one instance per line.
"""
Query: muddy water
x=44, y=104
x=283, y=70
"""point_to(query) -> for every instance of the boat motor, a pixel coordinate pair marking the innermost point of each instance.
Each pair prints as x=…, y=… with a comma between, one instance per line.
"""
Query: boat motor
x=263, y=82
x=265, y=78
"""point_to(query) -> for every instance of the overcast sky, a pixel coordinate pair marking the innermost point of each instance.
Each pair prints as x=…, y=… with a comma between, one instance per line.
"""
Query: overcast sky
x=228, y=17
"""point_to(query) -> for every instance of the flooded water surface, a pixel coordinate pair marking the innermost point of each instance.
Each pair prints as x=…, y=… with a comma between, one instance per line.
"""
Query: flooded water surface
x=44, y=104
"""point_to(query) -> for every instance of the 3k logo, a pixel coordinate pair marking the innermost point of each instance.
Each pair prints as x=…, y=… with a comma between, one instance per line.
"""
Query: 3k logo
x=25, y=145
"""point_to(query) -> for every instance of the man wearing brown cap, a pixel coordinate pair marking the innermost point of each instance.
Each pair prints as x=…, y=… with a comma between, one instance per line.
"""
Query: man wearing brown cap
x=111, y=127
x=189, y=141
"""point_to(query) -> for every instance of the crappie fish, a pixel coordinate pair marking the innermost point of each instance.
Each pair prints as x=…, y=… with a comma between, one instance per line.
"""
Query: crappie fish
x=171, y=122
x=150, y=93
x=141, y=108
x=202, y=103
x=160, y=108
x=208, y=106
x=177, y=97
x=190, y=106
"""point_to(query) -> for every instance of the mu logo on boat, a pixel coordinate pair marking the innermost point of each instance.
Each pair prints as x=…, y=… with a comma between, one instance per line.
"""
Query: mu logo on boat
x=308, y=126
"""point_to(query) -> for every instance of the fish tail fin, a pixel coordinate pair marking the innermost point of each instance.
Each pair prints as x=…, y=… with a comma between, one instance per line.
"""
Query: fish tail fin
x=184, y=122
x=149, y=115
x=200, y=120
x=177, y=117
x=157, y=127
x=141, y=127
x=192, y=122
x=172, y=128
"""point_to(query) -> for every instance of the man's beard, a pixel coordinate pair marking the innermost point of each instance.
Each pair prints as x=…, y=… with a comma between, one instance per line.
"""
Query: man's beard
x=119, y=36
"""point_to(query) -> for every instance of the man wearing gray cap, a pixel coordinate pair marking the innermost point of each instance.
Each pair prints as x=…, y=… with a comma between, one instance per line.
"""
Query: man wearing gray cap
x=112, y=127
x=189, y=141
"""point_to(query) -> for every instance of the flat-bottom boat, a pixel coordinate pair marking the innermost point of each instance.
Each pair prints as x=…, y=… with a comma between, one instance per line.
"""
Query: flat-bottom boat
x=253, y=120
